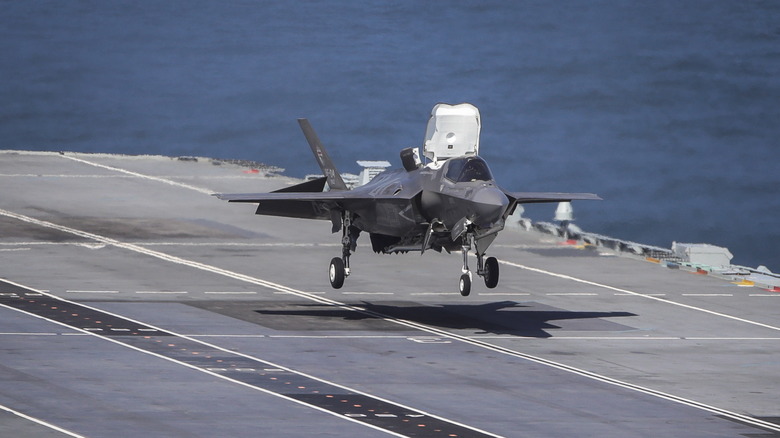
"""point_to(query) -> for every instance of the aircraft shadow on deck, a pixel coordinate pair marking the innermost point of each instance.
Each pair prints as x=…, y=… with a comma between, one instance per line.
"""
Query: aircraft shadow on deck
x=506, y=318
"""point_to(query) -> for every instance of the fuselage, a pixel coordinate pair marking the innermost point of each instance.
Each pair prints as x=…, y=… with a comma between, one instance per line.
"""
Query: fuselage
x=461, y=188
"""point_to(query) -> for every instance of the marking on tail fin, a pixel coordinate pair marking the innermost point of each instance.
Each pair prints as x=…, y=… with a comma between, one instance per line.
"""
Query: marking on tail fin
x=323, y=159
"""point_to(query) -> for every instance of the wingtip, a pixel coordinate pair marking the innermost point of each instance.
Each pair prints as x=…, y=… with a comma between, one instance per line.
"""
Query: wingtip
x=222, y=196
x=587, y=197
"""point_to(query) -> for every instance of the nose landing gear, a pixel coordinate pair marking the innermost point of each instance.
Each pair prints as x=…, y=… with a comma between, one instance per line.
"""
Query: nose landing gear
x=337, y=272
x=486, y=268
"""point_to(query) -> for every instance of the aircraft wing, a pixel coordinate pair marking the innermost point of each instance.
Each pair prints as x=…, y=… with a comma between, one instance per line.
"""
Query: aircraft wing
x=315, y=205
x=535, y=197
x=298, y=205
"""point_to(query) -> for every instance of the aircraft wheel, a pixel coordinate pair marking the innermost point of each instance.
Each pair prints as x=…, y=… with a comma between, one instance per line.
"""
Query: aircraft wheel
x=491, y=272
x=465, y=285
x=336, y=272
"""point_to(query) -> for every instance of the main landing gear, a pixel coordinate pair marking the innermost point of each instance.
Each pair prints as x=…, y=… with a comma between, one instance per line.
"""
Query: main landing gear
x=339, y=266
x=486, y=268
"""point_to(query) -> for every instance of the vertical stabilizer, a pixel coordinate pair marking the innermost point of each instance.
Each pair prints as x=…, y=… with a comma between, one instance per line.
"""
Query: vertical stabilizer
x=328, y=169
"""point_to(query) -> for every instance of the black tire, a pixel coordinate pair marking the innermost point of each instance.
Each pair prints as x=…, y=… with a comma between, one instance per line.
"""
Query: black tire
x=491, y=272
x=336, y=273
x=464, y=285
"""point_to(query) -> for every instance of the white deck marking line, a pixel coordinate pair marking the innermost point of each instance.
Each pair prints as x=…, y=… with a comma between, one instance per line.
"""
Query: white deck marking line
x=288, y=293
x=28, y=175
x=95, y=175
x=633, y=295
x=573, y=294
x=27, y=334
x=323, y=300
x=41, y=422
x=161, y=292
x=183, y=244
x=92, y=291
x=503, y=294
x=141, y=175
x=231, y=293
x=707, y=295
x=637, y=294
x=226, y=350
x=368, y=293
x=731, y=339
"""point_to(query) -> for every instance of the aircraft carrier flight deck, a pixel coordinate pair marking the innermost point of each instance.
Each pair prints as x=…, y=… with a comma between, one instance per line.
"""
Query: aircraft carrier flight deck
x=134, y=303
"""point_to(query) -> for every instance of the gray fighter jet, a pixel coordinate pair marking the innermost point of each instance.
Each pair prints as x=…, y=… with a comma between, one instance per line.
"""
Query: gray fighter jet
x=450, y=203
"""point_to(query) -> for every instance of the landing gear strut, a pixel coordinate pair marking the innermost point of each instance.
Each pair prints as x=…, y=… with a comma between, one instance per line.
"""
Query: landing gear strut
x=339, y=267
x=486, y=268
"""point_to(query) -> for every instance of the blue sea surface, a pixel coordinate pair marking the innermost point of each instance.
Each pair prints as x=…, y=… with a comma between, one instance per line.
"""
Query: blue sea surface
x=667, y=109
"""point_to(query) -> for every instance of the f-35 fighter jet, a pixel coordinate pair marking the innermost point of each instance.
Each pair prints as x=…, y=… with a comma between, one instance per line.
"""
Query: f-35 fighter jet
x=451, y=203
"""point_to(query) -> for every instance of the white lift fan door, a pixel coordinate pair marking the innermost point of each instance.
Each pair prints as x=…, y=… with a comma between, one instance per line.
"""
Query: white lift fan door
x=453, y=131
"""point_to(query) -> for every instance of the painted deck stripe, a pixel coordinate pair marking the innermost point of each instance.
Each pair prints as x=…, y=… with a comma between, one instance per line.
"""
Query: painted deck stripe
x=161, y=292
x=707, y=295
x=287, y=293
x=92, y=291
x=140, y=175
x=41, y=422
x=184, y=244
x=503, y=294
x=27, y=334
x=633, y=295
x=231, y=293
x=368, y=293
x=572, y=294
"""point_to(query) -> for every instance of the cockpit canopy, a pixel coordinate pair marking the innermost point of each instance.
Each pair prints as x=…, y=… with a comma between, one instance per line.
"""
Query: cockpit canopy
x=467, y=169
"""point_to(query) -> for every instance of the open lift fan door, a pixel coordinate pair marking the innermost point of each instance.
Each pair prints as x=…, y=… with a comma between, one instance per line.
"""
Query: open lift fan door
x=453, y=131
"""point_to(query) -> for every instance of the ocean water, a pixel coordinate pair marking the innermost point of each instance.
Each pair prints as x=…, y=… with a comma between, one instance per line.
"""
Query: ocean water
x=667, y=109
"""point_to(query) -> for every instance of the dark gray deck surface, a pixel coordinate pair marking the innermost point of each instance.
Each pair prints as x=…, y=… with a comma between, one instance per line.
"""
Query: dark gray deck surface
x=187, y=316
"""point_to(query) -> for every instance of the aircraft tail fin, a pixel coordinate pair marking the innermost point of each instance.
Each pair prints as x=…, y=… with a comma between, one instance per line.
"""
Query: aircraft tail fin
x=335, y=182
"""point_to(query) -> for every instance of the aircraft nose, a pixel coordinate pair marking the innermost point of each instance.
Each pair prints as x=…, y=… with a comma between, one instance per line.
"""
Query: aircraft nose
x=490, y=205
